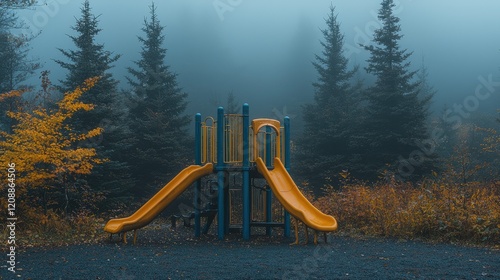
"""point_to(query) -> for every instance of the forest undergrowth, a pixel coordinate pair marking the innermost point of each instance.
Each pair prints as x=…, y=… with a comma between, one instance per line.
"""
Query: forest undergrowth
x=466, y=213
x=431, y=211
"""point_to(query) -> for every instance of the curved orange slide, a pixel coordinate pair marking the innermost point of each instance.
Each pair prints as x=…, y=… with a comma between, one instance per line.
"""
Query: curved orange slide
x=292, y=199
x=159, y=201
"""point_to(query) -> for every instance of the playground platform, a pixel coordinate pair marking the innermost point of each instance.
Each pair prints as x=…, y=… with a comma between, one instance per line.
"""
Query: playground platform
x=238, y=153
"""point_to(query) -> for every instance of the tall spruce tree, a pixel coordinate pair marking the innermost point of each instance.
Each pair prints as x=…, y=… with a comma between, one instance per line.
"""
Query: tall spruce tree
x=157, y=119
x=397, y=111
x=15, y=64
x=7, y=58
x=328, y=146
x=90, y=59
x=425, y=90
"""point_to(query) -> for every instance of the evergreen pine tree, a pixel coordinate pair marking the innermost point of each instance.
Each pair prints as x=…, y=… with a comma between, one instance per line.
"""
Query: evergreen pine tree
x=157, y=119
x=90, y=59
x=425, y=89
x=15, y=64
x=397, y=112
x=327, y=145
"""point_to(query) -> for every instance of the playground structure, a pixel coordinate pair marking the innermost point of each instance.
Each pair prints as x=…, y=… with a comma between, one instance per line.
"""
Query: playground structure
x=227, y=145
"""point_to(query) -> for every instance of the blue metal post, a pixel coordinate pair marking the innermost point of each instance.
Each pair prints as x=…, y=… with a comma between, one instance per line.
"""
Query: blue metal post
x=246, y=173
x=197, y=160
x=220, y=172
x=287, y=166
x=227, y=215
x=269, y=158
x=269, y=193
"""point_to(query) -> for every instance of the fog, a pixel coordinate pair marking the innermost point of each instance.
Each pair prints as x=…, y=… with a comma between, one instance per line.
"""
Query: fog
x=261, y=50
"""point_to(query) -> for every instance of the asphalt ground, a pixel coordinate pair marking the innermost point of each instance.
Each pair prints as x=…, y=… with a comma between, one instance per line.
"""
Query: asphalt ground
x=168, y=254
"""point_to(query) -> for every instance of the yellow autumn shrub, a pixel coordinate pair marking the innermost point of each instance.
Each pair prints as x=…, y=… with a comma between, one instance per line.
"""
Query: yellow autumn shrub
x=44, y=149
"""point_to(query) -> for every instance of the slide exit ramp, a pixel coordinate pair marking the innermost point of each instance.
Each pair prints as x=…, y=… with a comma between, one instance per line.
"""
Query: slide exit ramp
x=160, y=200
x=292, y=199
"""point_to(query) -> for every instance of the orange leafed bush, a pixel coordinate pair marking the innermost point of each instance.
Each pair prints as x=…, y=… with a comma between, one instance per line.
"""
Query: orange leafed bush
x=42, y=145
x=46, y=154
x=435, y=210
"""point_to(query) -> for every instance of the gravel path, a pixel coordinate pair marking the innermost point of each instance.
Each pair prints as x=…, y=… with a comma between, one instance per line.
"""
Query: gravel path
x=261, y=258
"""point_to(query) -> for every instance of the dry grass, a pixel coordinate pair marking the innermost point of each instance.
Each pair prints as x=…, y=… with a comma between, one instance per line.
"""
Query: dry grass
x=468, y=213
x=36, y=228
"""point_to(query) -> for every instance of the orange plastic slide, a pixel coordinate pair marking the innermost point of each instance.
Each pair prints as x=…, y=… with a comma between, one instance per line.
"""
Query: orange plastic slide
x=159, y=201
x=292, y=199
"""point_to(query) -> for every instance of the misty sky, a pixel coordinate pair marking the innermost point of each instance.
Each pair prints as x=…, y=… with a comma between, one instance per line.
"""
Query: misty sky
x=262, y=49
